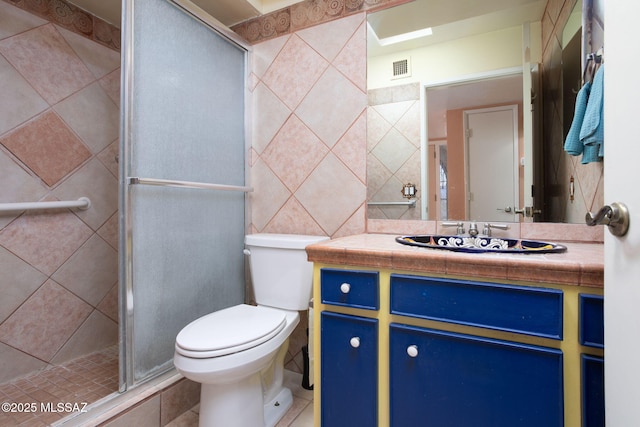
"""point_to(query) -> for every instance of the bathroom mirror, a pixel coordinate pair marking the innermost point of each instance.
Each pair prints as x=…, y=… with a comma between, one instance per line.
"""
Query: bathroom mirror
x=484, y=68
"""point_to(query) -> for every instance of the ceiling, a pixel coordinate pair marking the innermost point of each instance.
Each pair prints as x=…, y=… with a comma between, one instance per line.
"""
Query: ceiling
x=466, y=18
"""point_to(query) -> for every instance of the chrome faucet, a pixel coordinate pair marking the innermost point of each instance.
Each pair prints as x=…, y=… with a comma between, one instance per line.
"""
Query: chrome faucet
x=473, y=229
x=459, y=226
x=486, y=230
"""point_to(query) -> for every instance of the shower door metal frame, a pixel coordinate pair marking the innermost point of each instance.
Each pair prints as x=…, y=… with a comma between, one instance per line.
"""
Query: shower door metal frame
x=126, y=368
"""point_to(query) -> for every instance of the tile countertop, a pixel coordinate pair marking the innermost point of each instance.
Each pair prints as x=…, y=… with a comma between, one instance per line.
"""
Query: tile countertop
x=582, y=263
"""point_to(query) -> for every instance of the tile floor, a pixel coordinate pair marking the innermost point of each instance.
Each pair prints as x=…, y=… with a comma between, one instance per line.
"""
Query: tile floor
x=300, y=414
x=95, y=376
x=86, y=379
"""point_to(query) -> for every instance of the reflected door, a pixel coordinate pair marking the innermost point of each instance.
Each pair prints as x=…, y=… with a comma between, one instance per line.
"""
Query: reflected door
x=438, y=181
x=183, y=120
x=492, y=138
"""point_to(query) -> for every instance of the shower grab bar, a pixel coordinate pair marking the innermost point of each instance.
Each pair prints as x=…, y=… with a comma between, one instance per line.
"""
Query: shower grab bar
x=411, y=203
x=187, y=184
x=83, y=203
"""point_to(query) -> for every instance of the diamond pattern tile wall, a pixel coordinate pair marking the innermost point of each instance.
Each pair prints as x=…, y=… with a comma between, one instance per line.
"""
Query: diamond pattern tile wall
x=310, y=65
x=58, y=129
x=318, y=155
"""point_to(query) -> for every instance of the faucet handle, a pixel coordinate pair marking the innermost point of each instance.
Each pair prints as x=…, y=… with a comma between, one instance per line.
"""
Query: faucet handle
x=486, y=230
x=459, y=226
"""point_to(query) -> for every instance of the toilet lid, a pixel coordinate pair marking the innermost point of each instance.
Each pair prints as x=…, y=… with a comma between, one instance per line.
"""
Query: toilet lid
x=229, y=330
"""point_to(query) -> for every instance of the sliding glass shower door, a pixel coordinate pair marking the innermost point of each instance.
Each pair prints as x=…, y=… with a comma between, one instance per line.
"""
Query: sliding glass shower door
x=183, y=135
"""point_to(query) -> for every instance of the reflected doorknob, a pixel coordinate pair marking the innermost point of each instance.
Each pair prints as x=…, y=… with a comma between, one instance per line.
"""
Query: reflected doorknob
x=615, y=216
x=515, y=210
x=509, y=209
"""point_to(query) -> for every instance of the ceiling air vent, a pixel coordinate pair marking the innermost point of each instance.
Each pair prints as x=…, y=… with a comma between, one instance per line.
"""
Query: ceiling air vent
x=401, y=68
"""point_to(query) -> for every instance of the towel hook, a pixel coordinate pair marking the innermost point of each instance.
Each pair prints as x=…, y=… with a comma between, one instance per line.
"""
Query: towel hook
x=615, y=216
x=593, y=62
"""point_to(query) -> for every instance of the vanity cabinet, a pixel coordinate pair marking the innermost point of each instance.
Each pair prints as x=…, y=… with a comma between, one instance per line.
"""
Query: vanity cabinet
x=443, y=378
x=455, y=351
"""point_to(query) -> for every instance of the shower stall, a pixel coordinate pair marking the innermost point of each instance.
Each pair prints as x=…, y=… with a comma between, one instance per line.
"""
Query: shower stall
x=182, y=179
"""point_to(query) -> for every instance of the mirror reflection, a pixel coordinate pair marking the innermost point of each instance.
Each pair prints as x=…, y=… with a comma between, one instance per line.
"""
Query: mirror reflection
x=478, y=126
x=460, y=113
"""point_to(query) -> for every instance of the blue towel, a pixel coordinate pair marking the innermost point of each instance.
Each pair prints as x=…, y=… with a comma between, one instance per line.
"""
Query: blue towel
x=592, y=131
x=572, y=144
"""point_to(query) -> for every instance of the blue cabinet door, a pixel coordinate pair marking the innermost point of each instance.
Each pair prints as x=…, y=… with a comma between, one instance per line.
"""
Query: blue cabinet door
x=593, y=412
x=456, y=380
x=349, y=371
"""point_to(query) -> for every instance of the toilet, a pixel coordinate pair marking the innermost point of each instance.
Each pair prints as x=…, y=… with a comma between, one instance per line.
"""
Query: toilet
x=238, y=353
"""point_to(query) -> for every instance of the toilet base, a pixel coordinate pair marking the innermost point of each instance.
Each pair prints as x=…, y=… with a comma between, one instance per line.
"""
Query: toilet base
x=241, y=404
x=277, y=407
x=237, y=404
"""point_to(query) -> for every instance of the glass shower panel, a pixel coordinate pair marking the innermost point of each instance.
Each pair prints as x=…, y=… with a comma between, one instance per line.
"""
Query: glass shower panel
x=183, y=120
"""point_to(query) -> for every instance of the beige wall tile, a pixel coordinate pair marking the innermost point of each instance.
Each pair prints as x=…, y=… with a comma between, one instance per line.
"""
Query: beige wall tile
x=45, y=240
x=41, y=328
x=48, y=147
x=59, y=73
x=91, y=271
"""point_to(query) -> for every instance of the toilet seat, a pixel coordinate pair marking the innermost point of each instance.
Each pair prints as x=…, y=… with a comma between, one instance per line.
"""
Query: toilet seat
x=229, y=331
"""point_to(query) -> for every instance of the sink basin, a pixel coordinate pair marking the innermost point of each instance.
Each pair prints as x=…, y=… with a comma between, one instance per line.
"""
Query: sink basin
x=480, y=244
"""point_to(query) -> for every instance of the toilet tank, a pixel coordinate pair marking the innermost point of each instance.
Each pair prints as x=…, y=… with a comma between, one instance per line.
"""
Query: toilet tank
x=281, y=275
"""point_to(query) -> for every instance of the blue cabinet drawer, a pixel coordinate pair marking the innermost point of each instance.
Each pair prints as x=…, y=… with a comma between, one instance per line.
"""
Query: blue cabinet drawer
x=350, y=288
x=520, y=309
x=592, y=320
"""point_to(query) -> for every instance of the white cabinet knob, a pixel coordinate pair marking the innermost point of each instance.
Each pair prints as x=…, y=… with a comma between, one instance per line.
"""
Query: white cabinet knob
x=355, y=342
x=412, y=351
x=345, y=288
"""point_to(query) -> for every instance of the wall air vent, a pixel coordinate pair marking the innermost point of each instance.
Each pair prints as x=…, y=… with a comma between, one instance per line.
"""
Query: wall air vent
x=401, y=68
